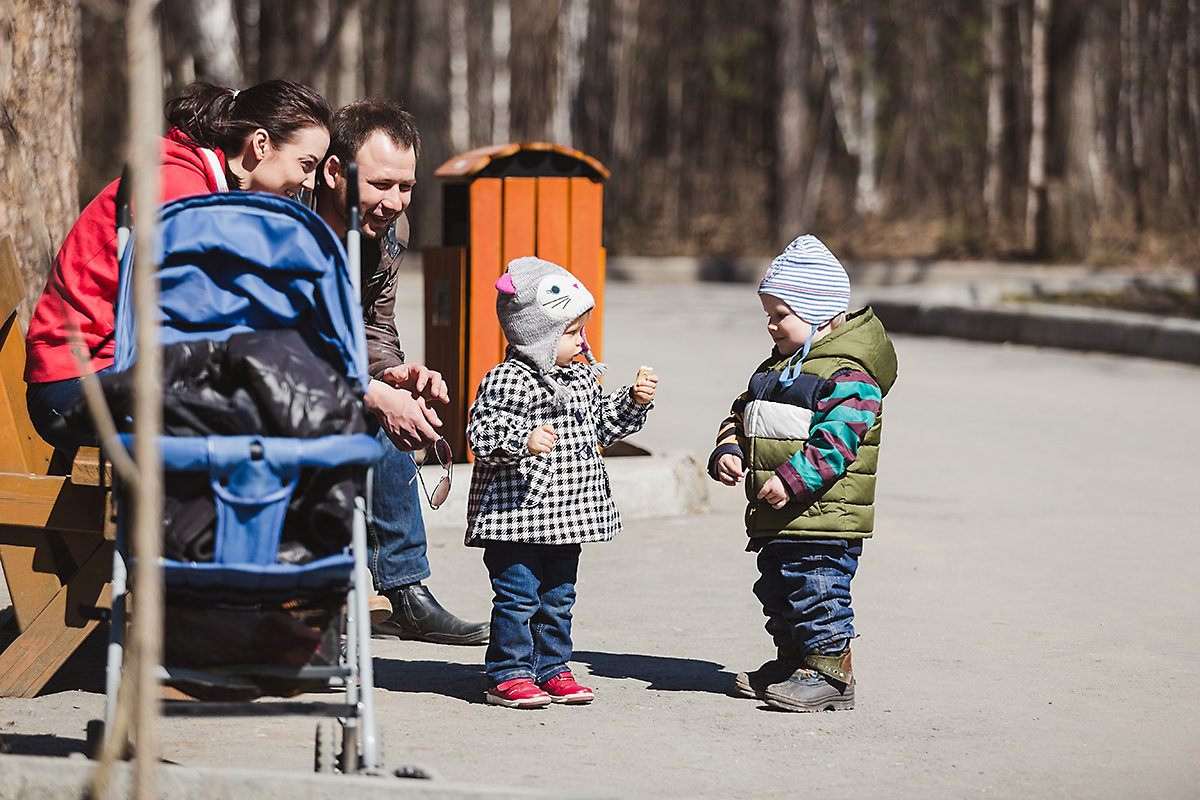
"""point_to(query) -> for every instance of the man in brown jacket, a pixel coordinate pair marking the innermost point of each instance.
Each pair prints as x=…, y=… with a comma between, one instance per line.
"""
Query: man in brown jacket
x=380, y=136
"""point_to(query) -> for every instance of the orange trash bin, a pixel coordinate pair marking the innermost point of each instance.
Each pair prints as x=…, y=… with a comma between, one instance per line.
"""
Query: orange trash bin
x=499, y=203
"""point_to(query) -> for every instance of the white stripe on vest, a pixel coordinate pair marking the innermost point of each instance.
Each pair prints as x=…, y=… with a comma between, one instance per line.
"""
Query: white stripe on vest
x=767, y=420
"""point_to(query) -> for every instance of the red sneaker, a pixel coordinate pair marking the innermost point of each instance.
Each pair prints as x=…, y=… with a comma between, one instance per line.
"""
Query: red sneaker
x=562, y=688
x=518, y=693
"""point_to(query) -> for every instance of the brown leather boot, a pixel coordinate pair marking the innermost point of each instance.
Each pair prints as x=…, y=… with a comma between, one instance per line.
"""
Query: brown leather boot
x=753, y=684
x=824, y=682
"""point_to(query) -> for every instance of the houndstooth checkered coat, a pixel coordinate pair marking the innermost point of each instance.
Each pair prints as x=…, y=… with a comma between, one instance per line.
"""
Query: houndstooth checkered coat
x=561, y=497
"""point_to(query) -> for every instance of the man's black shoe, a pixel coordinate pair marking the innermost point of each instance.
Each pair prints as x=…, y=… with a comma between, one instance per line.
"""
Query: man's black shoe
x=417, y=615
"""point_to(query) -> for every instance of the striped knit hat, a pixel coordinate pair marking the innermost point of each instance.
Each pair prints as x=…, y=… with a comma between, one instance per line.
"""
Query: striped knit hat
x=809, y=279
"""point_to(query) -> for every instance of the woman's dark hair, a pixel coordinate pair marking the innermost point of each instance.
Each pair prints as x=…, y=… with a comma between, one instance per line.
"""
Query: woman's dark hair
x=217, y=117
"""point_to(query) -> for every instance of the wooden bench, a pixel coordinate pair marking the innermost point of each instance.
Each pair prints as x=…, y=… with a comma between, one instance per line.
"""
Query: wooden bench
x=56, y=528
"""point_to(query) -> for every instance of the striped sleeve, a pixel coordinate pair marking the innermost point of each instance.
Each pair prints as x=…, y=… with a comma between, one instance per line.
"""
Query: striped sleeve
x=846, y=409
x=729, y=435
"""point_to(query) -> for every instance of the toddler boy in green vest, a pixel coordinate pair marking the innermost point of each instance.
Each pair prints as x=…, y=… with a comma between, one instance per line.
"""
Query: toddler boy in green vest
x=805, y=438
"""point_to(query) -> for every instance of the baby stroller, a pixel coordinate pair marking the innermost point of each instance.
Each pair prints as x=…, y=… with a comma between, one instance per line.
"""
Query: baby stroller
x=265, y=459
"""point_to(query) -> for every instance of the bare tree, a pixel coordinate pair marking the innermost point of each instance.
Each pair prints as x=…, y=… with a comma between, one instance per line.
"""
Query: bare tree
x=430, y=104
x=1039, y=79
x=1071, y=138
x=201, y=42
x=501, y=70
x=481, y=69
x=867, y=194
x=347, y=83
x=853, y=101
x=573, y=32
x=459, y=88
x=39, y=135
x=995, y=113
x=626, y=124
x=748, y=120
x=792, y=121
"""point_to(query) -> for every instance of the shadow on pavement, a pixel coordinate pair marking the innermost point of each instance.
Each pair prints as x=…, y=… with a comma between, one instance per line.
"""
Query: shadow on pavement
x=462, y=681
x=40, y=744
x=467, y=681
x=662, y=672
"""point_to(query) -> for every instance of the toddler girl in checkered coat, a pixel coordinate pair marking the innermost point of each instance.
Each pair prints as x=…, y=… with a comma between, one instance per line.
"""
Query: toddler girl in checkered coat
x=539, y=488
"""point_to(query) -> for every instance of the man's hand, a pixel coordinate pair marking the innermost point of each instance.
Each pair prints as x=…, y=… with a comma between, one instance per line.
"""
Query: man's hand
x=774, y=492
x=541, y=440
x=406, y=418
x=729, y=469
x=418, y=379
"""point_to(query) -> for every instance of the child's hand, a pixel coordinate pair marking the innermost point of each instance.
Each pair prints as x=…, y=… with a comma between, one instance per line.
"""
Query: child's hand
x=774, y=492
x=541, y=440
x=729, y=469
x=643, y=386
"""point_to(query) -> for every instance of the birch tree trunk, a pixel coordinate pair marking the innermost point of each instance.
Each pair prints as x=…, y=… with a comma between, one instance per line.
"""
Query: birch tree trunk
x=836, y=56
x=1175, y=113
x=626, y=127
x=866, y=201
x=995, y=114
x=1191, y=127
x=572, y=34
x=348, y=83
x=501, y=71
x=1035, y=234
x=459, y=88
x=202, y=42
x=39, y=134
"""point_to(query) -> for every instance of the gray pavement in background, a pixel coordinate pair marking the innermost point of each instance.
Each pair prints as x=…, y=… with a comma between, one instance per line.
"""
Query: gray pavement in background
x=1027, y=609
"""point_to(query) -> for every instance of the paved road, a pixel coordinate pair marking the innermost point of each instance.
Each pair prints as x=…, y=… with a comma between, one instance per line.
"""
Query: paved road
x=1027, y=609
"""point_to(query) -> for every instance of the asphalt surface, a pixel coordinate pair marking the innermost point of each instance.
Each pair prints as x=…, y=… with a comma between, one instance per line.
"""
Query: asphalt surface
x=1026, y=610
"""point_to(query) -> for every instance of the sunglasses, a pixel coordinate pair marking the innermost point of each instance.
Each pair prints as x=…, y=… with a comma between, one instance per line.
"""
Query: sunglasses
x=441, y=451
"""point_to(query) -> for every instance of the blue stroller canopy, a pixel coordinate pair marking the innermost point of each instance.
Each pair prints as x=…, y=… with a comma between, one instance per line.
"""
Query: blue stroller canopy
x=236, y=262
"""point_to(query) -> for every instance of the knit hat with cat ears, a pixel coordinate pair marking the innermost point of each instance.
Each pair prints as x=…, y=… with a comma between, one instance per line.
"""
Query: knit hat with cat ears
x=535, y=302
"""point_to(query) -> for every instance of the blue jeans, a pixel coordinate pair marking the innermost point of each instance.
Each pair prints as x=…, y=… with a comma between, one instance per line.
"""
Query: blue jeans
x=395, y=528
x=804, y=588
x=47, y=402
x=534, y=586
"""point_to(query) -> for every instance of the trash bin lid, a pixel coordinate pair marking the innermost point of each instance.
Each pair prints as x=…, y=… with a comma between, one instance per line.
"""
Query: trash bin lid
x=531, y=159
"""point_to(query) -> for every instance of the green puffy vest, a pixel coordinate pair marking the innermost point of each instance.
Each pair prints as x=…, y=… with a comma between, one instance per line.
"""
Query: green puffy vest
x=846, y=509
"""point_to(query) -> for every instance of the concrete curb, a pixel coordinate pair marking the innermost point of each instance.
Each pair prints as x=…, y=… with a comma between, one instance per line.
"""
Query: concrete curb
x=643, y=486
x=1072, y=328
x=43, y=778
x=982, y=301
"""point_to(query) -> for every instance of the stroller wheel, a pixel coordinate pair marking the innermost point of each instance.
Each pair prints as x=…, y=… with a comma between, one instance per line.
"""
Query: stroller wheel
x=327, y=746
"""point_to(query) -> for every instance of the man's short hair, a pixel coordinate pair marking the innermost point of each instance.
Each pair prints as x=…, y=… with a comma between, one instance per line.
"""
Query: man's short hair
x=353, y=124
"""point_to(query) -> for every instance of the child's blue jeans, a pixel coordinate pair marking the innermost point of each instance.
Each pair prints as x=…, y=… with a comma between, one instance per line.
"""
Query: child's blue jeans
x=534, y=586
x=804, y=588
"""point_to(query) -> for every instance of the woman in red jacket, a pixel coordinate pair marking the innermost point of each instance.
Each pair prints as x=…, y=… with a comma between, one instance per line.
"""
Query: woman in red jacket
x=268, y=138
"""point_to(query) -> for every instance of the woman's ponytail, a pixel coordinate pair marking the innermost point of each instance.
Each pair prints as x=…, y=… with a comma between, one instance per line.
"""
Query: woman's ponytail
x=202, y=112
